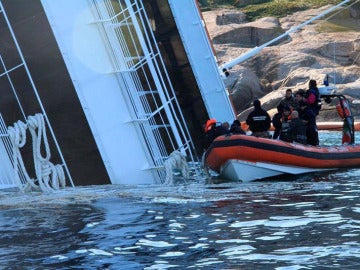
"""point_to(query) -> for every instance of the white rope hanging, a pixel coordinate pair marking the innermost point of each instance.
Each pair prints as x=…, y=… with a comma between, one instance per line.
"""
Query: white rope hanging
x=49, y=176
x=17, y=135
x=175, y=161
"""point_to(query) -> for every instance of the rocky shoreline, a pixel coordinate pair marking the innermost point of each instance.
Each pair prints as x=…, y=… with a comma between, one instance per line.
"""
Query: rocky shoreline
x=327, y=47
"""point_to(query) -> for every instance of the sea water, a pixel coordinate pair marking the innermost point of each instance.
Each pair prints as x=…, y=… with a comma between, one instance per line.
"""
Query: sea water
x=304, y=222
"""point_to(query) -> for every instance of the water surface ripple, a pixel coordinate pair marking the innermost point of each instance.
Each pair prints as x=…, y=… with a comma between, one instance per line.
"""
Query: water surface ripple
x=306, y=222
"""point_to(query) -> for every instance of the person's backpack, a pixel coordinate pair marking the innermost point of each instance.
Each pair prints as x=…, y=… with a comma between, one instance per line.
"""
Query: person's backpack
x=316, y=106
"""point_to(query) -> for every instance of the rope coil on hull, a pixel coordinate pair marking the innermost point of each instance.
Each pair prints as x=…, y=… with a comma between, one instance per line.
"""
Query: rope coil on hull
x=49, y=177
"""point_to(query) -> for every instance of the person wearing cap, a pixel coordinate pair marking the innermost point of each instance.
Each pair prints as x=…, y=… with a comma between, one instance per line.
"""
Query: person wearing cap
x=259, y=121
x=213, y=129
x=308, y=117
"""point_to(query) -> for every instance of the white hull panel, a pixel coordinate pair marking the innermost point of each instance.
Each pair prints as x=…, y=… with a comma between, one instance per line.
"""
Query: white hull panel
x=202, y=59
x=238, y=170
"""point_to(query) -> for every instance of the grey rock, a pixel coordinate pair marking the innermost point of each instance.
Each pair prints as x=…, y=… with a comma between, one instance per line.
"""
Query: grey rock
x=312, y=52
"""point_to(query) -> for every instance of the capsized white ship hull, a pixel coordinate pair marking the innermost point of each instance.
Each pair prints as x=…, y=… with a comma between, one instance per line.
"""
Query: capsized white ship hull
x=100, y=79
x=95, y=70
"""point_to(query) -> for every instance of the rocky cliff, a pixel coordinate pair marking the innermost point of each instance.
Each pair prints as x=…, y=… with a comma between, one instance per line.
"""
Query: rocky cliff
x=327, y=47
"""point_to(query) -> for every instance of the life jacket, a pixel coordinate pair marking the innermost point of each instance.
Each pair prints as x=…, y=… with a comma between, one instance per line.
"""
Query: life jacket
x=344, y=110
x=285, y=134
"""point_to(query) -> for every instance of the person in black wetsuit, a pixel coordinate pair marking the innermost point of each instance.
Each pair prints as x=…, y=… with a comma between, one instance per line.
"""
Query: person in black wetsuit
x=297, y=128
x=259, y=121
x=309, y=119
x=285, y=134
x=276, y=121
x=288, y=100
x=214, y=129
x=235, y=128
x=312, y=97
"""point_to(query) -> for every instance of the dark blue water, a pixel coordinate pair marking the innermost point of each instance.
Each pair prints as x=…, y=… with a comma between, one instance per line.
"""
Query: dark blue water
x=306, y=222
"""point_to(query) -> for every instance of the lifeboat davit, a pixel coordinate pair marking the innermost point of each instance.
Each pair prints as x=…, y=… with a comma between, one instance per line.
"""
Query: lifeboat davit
x=248, y=158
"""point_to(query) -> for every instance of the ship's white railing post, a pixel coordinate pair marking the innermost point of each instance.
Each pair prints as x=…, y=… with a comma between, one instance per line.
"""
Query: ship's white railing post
x=7, y=177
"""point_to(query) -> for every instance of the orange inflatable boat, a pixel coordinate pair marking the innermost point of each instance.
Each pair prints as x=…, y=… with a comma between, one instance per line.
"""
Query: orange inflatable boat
x=248, y=158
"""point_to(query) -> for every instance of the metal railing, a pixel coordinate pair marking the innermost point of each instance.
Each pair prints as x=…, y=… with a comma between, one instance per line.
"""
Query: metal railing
x=7, y=177
x=5, y=144
x=143, y=78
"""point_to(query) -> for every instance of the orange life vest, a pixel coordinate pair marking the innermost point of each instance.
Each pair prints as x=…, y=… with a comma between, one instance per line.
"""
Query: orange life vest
x=344, y=110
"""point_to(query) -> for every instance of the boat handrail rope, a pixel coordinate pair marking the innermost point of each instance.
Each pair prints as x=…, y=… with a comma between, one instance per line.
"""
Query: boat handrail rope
x=49, y=176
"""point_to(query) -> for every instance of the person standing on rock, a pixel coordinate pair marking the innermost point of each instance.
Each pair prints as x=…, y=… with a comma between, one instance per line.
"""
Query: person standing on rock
x=259, y=121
